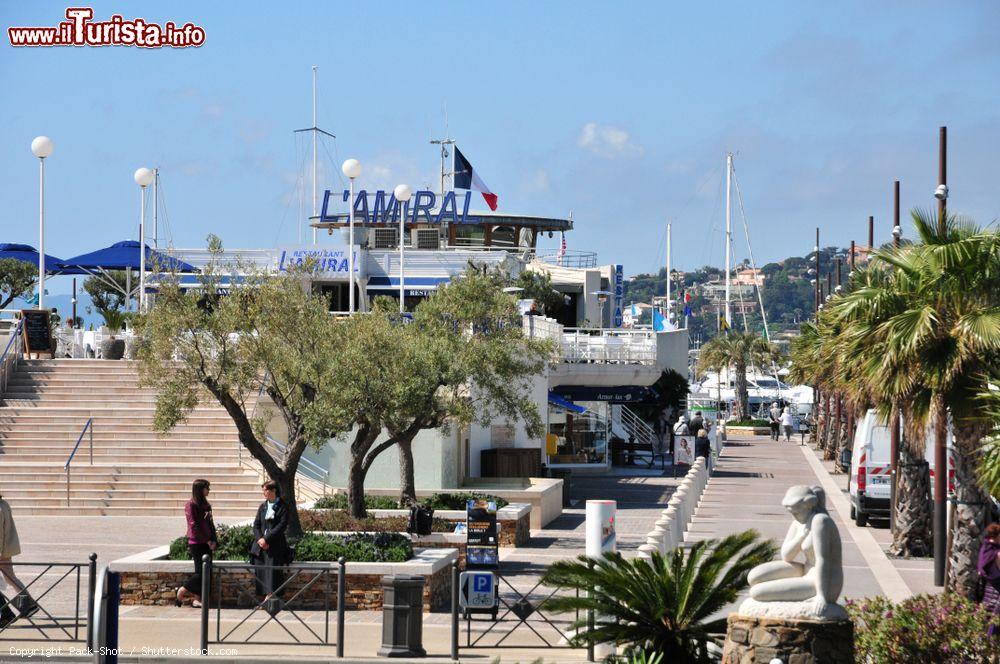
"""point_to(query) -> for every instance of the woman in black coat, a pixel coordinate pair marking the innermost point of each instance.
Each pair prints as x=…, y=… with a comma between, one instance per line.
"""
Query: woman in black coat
x=270, y=548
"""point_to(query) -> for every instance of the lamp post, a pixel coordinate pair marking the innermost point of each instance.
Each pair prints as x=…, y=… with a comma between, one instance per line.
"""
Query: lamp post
x=402, y=192
x=940, y=528
x=143, y=177
x=352, y=169
x=41, y=147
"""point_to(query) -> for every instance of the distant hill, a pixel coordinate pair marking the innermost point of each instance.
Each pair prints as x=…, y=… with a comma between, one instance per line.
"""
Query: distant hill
x=787, y=292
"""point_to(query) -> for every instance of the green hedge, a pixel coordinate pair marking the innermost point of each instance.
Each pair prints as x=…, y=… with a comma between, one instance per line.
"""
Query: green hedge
x=748, y=423
x=334, y=520
x=384, y=547
x=438, y=501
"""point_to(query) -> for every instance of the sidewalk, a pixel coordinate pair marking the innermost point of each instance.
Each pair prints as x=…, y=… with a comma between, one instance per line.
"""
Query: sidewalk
x=746, y=491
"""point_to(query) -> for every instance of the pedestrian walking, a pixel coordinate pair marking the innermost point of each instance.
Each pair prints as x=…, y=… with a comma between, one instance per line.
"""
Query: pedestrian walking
x=989, y=575
x=697, y=422
x=703, y=447
x=270, y=549
x=681, y=428
x=787, y=423
x=774, y=419
x=202, y=539
x=10, y=546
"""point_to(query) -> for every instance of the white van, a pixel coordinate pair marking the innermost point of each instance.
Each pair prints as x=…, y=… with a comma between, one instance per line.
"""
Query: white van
x=870, y=483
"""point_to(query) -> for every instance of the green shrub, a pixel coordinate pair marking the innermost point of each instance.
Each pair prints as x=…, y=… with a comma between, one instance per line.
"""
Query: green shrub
x=457, y=501
x=944, y=629
x=338, y=501
x=438, y=501
x=748, y=423
x=359, y=547
x=332, y=520
x=234, y=544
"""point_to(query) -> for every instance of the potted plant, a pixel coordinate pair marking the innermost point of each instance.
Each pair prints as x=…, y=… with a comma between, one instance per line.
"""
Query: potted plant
x=113, y=348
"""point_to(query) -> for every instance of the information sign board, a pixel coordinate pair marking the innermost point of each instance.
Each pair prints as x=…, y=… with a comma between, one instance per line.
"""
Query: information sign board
x=37, y=331
x=481, y=538
x=478, y=590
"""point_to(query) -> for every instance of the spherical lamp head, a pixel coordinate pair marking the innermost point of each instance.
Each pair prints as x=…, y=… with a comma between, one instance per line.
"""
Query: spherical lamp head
x=42, y=146
x=351, y=168
x=143, y=177
x=941, y=193
x=402, y=192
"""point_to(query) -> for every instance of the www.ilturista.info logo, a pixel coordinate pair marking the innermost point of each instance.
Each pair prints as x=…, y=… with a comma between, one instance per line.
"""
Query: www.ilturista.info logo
x=80, y=30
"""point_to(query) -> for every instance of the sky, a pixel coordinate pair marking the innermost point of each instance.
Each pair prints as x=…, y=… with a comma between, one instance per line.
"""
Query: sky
x=619, y=113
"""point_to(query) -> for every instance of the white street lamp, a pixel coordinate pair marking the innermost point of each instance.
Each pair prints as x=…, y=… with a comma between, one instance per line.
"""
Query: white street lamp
x=352, y=169
x=143, y=177
x=402, y=192
x=41, y=147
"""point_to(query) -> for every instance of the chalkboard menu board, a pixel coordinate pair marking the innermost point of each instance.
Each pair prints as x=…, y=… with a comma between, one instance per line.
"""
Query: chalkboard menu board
x=482, y=543
x=37, y=331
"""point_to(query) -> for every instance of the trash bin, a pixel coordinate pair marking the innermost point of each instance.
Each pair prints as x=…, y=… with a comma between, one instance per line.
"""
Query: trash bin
x=563, y=474
x=402, y=616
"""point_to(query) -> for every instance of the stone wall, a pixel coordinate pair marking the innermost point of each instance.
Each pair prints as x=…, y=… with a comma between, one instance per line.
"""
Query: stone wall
x=155, y=581
x=753, y=640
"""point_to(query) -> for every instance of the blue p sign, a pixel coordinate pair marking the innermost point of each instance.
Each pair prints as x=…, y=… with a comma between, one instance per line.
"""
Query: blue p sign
x=482, y=583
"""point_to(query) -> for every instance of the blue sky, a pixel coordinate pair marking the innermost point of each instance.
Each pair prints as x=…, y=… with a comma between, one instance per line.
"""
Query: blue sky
x=620, y=113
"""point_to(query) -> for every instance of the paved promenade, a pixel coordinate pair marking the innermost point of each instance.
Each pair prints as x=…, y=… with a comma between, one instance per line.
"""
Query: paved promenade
x=746, y=491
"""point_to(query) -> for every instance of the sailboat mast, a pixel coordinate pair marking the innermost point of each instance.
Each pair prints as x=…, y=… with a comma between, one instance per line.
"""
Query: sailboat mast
x=156, y=206
x=315, y=209
x=729, y=234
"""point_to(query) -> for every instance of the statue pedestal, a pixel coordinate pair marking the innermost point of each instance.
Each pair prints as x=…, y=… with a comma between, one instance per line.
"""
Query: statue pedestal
x=758, y=640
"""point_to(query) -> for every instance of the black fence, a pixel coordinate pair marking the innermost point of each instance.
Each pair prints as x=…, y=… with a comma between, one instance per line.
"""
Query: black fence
x=520, y=619
x=56, y=604
x=270, y=601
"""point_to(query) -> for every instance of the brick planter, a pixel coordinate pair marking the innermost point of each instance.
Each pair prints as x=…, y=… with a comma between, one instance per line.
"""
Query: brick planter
x=149, y=579
x=754, y=640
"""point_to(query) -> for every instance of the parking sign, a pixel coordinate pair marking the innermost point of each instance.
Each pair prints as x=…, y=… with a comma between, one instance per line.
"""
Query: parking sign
x=477, y=590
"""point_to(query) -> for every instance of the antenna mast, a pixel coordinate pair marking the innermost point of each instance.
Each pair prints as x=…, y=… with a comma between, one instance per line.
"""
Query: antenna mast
x=314, y=129
x=444, y=143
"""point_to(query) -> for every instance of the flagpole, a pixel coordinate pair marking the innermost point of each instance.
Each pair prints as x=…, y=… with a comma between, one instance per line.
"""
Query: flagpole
x=668, y=273
x=729, y=230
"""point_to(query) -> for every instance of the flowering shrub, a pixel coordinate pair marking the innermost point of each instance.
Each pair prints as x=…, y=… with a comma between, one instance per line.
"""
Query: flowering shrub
x=944, y=629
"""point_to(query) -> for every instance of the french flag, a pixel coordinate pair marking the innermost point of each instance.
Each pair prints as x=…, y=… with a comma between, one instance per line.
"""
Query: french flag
x=467, y=178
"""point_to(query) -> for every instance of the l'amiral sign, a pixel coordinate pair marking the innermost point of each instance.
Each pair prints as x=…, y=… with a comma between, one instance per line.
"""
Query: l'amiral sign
x=384, y=208
x=329, y=261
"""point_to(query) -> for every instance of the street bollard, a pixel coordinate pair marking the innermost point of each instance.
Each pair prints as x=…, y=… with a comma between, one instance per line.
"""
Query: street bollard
x=454, y=610
x=92, y=584
x=206, y=594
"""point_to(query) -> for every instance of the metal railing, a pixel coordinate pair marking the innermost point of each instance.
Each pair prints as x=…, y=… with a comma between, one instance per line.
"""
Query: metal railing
x=88, y=427
x=574, y=258
x=311, y=470
x=52, y=606
x=611, y=346
x=287, y=591
x=11, y=356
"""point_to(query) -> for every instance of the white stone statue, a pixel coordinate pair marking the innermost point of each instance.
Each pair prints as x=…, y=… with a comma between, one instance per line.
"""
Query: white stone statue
x=808, y=590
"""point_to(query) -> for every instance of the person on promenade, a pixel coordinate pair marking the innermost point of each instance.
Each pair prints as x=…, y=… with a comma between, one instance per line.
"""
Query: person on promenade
x=703, y=447
x=989, y=574
x=201, y=536
x=697, y=422
x=270, y=548
x=10, y=546
x=774, y=419
x=787, y=423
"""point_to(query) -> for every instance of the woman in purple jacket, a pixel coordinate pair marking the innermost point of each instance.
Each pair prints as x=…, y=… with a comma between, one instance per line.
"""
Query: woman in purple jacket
x=201, y=539
x=989, y=572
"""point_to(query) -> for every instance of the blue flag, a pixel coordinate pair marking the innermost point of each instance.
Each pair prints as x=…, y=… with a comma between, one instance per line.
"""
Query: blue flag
x=687, y=310
x=659, y=321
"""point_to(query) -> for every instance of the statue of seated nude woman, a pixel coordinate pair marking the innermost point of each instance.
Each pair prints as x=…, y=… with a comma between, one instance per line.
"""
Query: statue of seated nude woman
x=788, y=588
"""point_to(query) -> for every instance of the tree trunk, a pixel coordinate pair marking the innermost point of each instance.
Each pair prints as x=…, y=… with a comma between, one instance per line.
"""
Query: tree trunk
x=407, y=483
x=286, y=489
x=742, y=393
x=913, y=500
x=356, y=487
x=971, y=510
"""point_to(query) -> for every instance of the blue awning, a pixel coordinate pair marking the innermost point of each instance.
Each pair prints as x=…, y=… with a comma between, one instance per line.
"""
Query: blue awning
x=556, y=400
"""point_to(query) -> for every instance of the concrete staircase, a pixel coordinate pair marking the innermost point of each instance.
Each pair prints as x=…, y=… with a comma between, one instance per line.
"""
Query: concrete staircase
x=135, y=471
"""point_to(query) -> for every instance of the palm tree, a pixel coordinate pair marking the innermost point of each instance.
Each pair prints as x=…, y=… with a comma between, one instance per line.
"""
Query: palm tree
x=936, y=335
x=663, y=604
x=737, y=351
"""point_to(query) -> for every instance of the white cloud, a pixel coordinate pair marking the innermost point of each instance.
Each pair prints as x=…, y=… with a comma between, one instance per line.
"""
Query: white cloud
x=607, y=141
x=539, y=181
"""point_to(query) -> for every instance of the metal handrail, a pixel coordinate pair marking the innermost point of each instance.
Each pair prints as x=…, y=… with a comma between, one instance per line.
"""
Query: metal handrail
x=9, y=358
x=310, y=469
x=89, y=426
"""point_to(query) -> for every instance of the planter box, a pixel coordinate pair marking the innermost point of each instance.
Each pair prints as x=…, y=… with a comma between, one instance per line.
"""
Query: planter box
x=748, y=431
x=148, y=578
x=514, y=521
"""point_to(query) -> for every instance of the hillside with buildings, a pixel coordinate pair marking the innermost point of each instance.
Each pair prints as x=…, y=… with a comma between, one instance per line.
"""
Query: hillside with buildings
x=786, y=288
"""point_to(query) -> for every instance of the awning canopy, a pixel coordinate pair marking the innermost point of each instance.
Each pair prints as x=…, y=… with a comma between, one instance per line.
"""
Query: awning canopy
x=28, y=254
x=125, y=255
x=556, y=400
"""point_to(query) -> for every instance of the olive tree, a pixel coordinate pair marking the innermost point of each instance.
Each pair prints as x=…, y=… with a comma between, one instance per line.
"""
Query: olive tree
x=269, y=336
x=17, y=278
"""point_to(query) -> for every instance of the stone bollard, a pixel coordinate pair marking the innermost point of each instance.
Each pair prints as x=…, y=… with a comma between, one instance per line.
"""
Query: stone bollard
x=646, y=551
x=661, y=529
x=682, y=505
